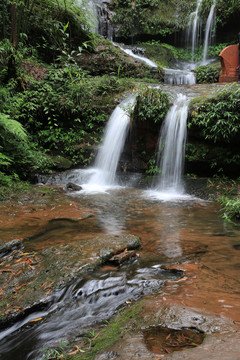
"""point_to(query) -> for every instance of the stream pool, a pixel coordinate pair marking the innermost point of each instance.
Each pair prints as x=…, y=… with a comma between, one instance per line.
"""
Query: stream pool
x=188, y=255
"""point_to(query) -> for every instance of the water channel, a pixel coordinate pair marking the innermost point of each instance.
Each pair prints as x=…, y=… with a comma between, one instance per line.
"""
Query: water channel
x=182, y=231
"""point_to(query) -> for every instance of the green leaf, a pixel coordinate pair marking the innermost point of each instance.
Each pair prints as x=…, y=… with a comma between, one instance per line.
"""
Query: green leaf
x=13, y=127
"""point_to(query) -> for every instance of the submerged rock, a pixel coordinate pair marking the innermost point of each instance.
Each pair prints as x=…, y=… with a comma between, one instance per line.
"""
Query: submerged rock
x=10, y=246
x=32, y=278
x=73, y=187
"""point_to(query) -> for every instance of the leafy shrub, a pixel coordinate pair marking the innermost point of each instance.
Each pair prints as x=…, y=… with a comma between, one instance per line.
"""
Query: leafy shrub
x=218, y=117
x=65, y=111
x=207, y=73
x=151, y=105
x=230, y=208
x=214, y=50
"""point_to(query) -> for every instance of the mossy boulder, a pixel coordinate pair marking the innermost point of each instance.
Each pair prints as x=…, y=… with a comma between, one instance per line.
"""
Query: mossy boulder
x=161, y=54
x=62, y=163
x=110, y=59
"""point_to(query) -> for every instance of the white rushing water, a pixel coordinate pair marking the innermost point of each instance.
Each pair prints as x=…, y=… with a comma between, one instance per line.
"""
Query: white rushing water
x=140, y=58
x=208, y=30
x=143, y=59
x=179, y=77
x=172, y=148
x=104, y=171
x=194, y=28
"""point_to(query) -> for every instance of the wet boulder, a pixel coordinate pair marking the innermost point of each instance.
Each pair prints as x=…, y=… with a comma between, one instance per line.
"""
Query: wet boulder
x=73, y=187
x=9, y=247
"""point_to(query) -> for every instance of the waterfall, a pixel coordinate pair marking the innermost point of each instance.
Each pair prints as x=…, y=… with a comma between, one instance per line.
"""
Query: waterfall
x=172, y=147
x=107, y=159
x=179, y=77
x=208, y=30
x=138, y=57
x=194, y=28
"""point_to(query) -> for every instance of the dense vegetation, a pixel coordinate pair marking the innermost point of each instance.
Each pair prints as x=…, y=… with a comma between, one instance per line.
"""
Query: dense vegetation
x=152, y=104
x=52, y=112
x=152, y=17
x=59, y=81
x=214, y=130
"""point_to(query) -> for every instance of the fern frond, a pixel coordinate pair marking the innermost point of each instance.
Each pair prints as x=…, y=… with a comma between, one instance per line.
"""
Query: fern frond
x=4, y=160
x=12, y=126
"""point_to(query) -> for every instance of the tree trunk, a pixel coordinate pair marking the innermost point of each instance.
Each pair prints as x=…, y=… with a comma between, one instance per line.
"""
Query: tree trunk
x=13, y=12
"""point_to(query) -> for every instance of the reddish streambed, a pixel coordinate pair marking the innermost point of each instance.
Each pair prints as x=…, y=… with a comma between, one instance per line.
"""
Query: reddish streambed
x=187, y=235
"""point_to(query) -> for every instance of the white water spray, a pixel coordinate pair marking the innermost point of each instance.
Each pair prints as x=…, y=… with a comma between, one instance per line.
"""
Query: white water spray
x=140, y=58
x=107, y=159
x=179, y=77
x=208, y=30
x=194, y=28
x=172, y=147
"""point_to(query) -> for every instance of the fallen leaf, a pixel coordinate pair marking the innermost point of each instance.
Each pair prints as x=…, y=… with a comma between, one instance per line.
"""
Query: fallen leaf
x=182, y=279
x=38, y=319
x=19, y=308
x=73, y=352
x=19, y=287
x=1, y=291
x=95, y=337
x=49, y=285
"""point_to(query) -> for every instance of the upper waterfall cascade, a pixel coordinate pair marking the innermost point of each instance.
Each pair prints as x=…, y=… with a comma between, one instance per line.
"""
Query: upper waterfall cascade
x=195, y=29
x=209, y=30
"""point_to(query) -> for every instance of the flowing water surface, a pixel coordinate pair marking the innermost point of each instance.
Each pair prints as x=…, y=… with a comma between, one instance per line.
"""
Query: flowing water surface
x=187, y=231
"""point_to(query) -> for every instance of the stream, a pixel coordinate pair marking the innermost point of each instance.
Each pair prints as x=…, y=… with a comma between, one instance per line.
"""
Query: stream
x=180, y=231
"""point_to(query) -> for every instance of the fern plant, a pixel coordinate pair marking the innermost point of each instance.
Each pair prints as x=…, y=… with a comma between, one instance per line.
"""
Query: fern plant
x=9, y=128
x=12, y=126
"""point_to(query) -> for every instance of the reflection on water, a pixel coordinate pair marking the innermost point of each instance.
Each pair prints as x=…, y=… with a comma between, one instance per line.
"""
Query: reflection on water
x=180, y=231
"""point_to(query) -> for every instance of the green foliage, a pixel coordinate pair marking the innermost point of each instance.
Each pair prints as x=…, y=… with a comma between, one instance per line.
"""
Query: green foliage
x=60, y=352
x=12, y=138
x=112, y=332
x=18, y=155
x=45, y=16
x=196, y=152
x=230, y=208
x=153, y=17
x=218, y=116
x=226, y=10
x=10, y=186
x=179, y=53
x=214, y=50
x=207, y=73
x=13, y=127
x=65, y=112
x=163, y=54
x=152, y=104
x=152, y=169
